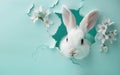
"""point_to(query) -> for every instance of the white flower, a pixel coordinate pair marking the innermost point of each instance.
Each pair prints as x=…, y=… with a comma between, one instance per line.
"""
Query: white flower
x=112, y=35
x=104, y=48
x=102, y=29
x=115, y=32
x=47, y=13
x=47, y=21
x=104, y=38
x=34, y=17
x=36, y=14
x=108, y=22
x=38, y=10
x=39, y=13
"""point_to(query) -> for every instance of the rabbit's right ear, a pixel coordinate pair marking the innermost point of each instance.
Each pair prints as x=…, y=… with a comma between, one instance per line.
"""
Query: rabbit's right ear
x=89, y=21
x=68, y=18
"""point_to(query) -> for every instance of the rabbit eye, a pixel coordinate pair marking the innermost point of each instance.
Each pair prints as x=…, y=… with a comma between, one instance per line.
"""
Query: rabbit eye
x=82, y=41
x=67, y=39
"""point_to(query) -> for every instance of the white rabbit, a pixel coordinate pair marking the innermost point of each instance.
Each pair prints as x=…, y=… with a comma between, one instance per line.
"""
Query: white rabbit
x=74, y=45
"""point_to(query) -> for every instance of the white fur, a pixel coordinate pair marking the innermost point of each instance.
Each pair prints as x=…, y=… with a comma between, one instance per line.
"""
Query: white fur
x=76, y=33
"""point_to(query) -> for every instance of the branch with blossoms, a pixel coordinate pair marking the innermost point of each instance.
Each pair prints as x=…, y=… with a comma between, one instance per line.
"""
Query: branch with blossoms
x=104, y=34
x=40, y=14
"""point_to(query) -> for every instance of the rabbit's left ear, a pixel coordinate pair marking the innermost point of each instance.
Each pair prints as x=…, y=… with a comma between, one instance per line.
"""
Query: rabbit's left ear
x=68, y=18
x=89, y=21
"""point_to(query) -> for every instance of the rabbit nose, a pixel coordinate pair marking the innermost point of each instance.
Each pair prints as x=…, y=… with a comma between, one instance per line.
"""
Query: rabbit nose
x=72, y=53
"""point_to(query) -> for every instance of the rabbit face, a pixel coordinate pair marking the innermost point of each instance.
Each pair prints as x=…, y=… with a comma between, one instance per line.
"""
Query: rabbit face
x=75, y=37
x=74, y=45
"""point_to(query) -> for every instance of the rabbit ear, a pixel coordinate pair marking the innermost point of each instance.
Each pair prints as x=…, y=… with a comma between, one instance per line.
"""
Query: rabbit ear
x=89, y=21
x=68, y=18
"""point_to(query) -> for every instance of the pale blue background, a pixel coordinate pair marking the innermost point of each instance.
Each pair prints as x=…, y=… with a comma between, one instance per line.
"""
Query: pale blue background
x=19, y=38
